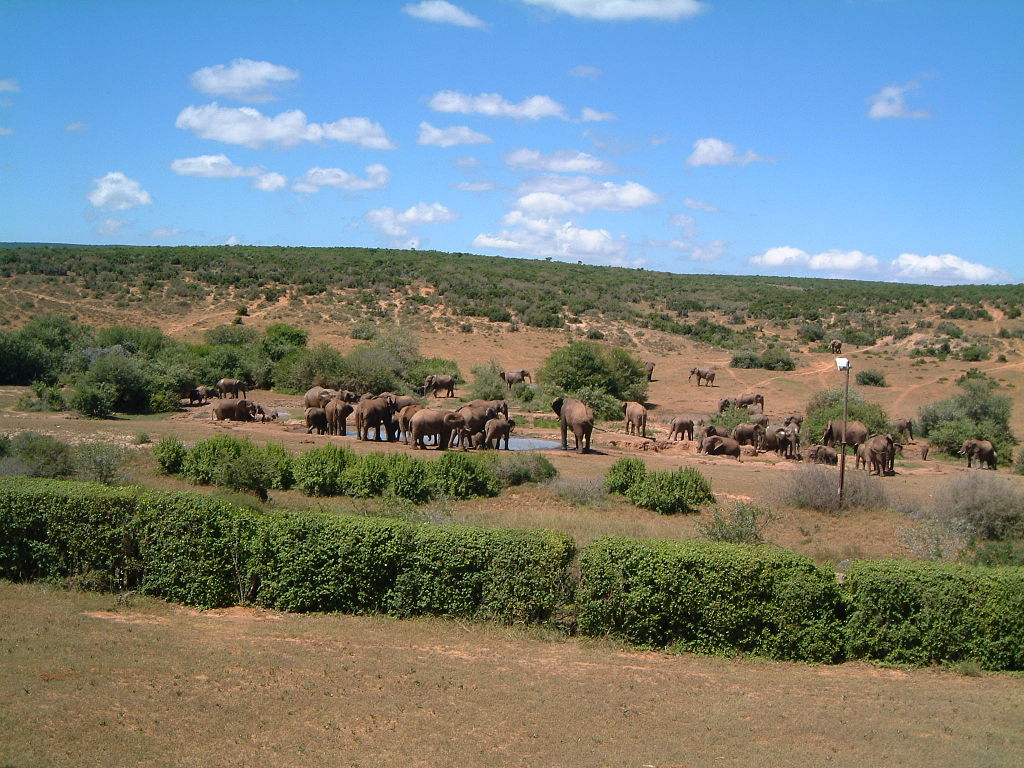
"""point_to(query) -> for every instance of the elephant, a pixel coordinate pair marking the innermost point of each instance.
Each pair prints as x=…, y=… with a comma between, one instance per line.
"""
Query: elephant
x=863, y=458
x=515, y=377
x=720, y=446
x=398, y=402
x=880, y=452
x=904, y=428
x=748, y=399
x=822, y=454
x=338, y=412
x=201, y=394
x=501, y=406
x=788, y=439
x=760, y=420
x=748, y=434
x=475, y=417
x=649, y=368
x=375, y=412
x=835, y=346
x=636, y=418
x=710, y=430
x=316, y=419
x=237, y=410
x=702, y=374
x=349, y=396
x=437, y=382
x=405, y=421
x=318, y=397
x=497, y=430
x=435, y=422
x=261, y=413
x=680, y=428
x=794, y=419
x=726, y=403
x=924, y=451
x=232, y=387
x=576, y=416
x=856, y=433
x=982, y=450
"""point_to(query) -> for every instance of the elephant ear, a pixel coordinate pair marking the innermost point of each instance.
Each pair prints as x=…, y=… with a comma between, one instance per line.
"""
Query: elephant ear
x=556, y=405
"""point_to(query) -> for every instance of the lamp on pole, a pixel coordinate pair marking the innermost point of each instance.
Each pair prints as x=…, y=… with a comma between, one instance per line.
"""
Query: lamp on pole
x=843, y=364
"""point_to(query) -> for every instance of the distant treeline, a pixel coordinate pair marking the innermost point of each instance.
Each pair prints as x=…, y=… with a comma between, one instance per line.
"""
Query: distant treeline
x=533, y=292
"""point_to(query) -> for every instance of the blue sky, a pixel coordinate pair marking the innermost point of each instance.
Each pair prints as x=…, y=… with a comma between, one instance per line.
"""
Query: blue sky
x=869, y=139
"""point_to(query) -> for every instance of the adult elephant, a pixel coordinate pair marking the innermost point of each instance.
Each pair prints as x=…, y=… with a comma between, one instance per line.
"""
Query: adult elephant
x=500, y=406
x=794, y=419
x=706, y=375
x=636, y=418
x=748, y=399
x=880, y=452
x=835, y=346
x=577, y=417
x=497, y=430
x=515, y=377
x=434, y=422
x=649, y=368
x=375, y=412
x=405, y=421
x=710, y=430
x=720, y=446
x=680, y=428
x=748, y=434
x=726, y=403
x=236, y=410
x=318, y=397
x=788, y=439
x=437, y=382
x=398, y=402
x=475, y=417
x=231, y=387
x=822, y=454
x=904, y=428
x=856, y=433
x=981, y=451
x=316, y=421
x=338, y=411
x=761, y=420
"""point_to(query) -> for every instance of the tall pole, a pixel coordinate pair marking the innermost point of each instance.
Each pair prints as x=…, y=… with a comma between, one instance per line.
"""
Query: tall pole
x=842, y=463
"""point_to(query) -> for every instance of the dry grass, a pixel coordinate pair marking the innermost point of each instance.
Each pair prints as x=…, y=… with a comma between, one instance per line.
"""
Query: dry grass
x=92, y=680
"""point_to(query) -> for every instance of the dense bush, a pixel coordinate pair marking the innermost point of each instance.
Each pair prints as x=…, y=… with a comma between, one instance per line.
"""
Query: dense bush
x=925, y=613
x=744, y=524
x=457, y=475
x=974, y=353
x=588, y=366
x=871, y=378
x=729, y=419
x=624, y=474
x=710, y=598
x=827, y=405
x=102, y=462
x=318, y=471
x=678, y=491
x=976, y=413
x=487, y=382
x=35, y=455
x=519, y=467
x=774, y=358
x=169, y=453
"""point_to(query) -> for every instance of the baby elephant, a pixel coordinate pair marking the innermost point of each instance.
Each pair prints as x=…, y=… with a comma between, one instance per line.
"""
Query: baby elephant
x=680, y=429
x=720, y=446
x=496, y=430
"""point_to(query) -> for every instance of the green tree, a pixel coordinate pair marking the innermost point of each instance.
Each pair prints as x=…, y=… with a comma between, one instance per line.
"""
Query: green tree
x=588, y=365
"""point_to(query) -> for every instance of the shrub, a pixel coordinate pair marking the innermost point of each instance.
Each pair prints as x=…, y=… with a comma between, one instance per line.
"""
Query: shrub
x=745, y=358
x=487, y=382
x=871, y=378
x=587, y=366
x=248, y=471
x=777, y=358
x=976, y=413
x=279, y=464
x=624, y=474
x=408, y=478
x=36, y=455
x=744, y=525
x=169, y=453
x=827, y=404
x=810, y=332
x=925, y=613
x=729, y=419
x=667, y=493
x=456, y=475
x=817, y=487
x=205, y=457
x=519, y=467
x=709, y=597
x=975, y=353
x=363, y=329
x=318, y=471
x=95, y=401
x=579, y=493
x=952, y=330
x=605, y=406
x=365, y=476
x=985, y=505
x=102, y=462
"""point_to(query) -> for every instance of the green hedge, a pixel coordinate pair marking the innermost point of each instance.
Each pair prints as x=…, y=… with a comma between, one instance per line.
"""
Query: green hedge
x=711, y=598
x=922, y=613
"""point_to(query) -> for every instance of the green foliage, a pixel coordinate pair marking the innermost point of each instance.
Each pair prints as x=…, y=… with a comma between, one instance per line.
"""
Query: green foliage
x=678, y=491
x=366, y=476
x=810, y=332
x=774, y=358
x=745, y=524
x=102, y=462
x=952, y=330
x=407, y=478
x=279, y=466
x=624, y=474
x=709, y=597
x=730, y=418
x=235, y=335
x=871, y=378
x=318, y=471
x=587, y=366
x=457, y=475
x=95, y=401
x=364, y=329
x=606, y=407
x=487, y=382
x=977, y=413
x=36, y=455
x=519, y=467
x=975, y=353
x=321, y=366
x=827, y=405
x=204, y=459
x=421, y=368
x=170, y=453
x=746, y=358
x=927, y=613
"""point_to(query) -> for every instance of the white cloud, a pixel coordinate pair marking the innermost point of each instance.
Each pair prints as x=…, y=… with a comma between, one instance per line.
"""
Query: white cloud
x=891, y=102
x=713, y=250
x=250, y=128
x=10, y=85
x=233, y=240
x=585, y=71
x=945, y=268
x=454, y=136
x=243, y=80
x=562, y=161
x=75, y=127
x=6, y=131
x=442, y=12
x=211, y=167
x=624, y=10
x=468, y=162
x=269, y=182
x=164, y=233
x=548, y=236
x=377, y=176
x=711, y=151
x=699, y=205
x=559, y=195
x=397, y=223
x=495, y=105
x=685, y=223
x=593, y=116
x=111, y=226
x=475, y=186
x=828, y=261
x=116, y=192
